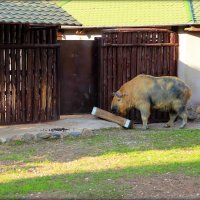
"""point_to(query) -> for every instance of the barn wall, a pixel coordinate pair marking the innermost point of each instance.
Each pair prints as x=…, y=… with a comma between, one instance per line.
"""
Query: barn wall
x=189, y=62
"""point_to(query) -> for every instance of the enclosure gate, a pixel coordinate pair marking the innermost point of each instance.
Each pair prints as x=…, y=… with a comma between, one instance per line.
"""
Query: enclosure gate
x=78, y=76
x=125, y=53
x=28, y=74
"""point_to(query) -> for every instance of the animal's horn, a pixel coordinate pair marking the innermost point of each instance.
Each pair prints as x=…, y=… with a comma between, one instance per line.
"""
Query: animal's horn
x=118, y=95
x=113, y=94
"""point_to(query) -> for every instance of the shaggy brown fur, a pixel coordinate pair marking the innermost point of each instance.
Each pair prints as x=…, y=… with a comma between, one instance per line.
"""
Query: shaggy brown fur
x=144, y=91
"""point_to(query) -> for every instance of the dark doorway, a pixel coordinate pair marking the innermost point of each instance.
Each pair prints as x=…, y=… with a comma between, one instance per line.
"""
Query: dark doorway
x=78, y=76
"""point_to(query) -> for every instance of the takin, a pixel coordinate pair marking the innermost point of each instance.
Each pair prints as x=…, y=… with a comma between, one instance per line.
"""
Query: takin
x=165, y=93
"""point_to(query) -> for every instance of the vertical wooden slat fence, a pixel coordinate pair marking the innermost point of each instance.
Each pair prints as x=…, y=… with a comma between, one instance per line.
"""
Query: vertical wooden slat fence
x=28, y=74
x=125, y=53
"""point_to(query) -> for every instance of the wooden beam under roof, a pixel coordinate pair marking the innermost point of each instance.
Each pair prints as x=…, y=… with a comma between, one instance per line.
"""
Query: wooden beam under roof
x=192, y=28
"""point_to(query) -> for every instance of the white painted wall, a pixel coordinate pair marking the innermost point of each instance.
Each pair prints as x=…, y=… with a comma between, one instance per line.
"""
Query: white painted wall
x=79, y=37
x=189, y=62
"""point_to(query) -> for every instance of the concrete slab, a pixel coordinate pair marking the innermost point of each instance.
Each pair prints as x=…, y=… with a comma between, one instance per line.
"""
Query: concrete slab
x=71, y=122
x=74, y=123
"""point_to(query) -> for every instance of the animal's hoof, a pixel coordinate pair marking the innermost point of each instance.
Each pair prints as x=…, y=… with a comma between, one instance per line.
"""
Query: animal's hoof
x=182, y=125
x=166, y=126
x=145, y=127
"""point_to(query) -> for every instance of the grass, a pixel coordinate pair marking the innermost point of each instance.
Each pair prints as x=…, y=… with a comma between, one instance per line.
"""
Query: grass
x=91, y=167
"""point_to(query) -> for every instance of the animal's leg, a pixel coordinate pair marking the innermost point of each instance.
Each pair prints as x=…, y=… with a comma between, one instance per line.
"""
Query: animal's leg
x=145, y=113
x=180, y=109
x=183, y=115
x=172, y=117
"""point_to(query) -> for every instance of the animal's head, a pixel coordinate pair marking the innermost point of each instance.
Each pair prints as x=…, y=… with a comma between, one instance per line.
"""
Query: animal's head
x=120, y=103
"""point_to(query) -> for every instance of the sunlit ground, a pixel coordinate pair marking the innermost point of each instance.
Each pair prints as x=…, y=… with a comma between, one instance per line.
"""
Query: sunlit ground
x=82, y=166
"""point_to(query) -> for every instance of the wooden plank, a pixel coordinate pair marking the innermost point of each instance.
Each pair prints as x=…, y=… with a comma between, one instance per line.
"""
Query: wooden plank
x=54, y=35
x=148, y=54
x=160, y=55
x=138, y=44
x=101, y=79
x=128, y=62
x=54, y=86
x=120, y=61
x=139, y=55
x=111, y=117
x=43, y=58
x=24, y=74
x=18, y=76
x=23, y=86
x=32, y=36
x=13, y=74
x=124, y=40
x=114, y=64
x=56, y=94
x=144, y=60
x=154, y=60
x=7, y=68
x=49, y=84
x=28, y=46
x=173, y=57
x=29, y=96
x=49, y=77
x=58, y=64
x=2, y=75
x=105, y=81
x=110, y=73
x=176, y=55
x=133, y=56
x=36, y=110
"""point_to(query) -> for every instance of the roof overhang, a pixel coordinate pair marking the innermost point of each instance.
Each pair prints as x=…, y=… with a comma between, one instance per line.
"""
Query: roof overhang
x=131, y=26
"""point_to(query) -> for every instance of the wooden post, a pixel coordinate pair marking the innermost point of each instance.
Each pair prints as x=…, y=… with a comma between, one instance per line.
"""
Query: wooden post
x=18, y=76
x=111, y=117
x=43, y=57
x=2, y=76
x=7, y=73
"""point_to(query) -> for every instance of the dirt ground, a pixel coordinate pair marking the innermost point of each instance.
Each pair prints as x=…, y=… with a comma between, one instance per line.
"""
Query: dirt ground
x=166, y=186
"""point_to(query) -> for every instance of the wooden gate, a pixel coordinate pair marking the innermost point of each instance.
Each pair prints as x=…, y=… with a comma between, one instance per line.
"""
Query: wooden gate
x=78, y=76
x=125, y=53
x=28, y=74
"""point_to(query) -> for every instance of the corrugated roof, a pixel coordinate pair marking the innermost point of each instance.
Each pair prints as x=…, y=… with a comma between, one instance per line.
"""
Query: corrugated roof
x=104, y=13
x=35, y=12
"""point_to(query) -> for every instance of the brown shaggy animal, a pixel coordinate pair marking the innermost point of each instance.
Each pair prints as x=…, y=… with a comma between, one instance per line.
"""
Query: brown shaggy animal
x=165, y=93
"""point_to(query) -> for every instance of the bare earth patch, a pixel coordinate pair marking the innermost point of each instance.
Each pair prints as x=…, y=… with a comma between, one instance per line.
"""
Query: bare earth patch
x=112, y=142
x=167, y=186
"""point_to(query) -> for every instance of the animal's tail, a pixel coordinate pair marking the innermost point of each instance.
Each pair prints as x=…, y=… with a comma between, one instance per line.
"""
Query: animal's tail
x=188, y=93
